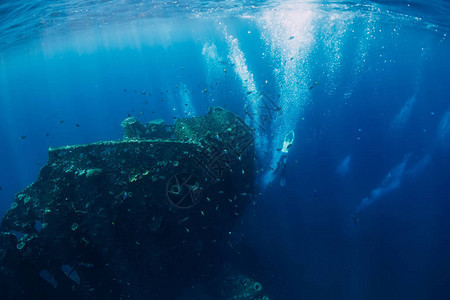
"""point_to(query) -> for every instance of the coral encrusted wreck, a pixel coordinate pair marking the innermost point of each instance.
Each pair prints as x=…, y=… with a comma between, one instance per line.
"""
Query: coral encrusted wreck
x=139, y=218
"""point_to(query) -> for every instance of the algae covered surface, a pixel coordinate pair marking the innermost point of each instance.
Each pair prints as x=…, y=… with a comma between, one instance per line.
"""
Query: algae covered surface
x=121, y=219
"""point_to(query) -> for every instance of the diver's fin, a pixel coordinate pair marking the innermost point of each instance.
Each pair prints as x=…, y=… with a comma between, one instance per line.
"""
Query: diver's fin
x=283, y=175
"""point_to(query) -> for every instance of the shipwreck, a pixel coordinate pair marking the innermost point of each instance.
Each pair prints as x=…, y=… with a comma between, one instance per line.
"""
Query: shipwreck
x=138, y=218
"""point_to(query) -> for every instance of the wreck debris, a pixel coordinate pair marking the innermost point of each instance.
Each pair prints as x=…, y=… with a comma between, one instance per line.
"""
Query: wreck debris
x=121, y=219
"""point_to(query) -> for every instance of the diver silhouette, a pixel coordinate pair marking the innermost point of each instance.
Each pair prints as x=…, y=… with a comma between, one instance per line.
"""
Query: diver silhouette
x=287, y=143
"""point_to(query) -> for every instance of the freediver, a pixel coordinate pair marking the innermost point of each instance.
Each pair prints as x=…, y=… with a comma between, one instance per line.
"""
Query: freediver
x=281, y=165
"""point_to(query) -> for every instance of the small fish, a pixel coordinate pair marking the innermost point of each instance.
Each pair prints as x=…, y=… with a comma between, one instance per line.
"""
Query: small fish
x=23, y=137
x=47, y=134
x=202, y=212
x=220, y=192
x=77, y=125
x=244, y=194
x=313, y=85
x=249, y=92
x=291, y=38
x=1, y=188
x=183, y=220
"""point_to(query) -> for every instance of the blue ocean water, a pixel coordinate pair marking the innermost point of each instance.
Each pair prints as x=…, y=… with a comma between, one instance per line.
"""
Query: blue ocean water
x=365, y=87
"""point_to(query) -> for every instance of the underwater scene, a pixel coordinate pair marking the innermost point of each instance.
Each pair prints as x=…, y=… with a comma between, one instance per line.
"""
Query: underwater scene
x=225, y=149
